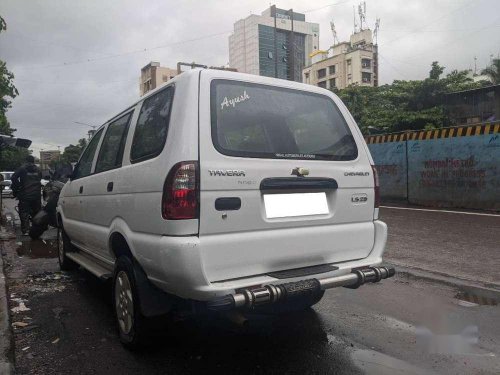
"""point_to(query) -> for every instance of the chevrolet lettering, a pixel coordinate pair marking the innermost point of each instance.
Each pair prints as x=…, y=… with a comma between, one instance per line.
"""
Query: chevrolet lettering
x=350, y=174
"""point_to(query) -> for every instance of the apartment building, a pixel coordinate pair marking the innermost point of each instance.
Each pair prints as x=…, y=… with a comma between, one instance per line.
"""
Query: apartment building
x=47, y=157
x=344, y=64
x=153, y=75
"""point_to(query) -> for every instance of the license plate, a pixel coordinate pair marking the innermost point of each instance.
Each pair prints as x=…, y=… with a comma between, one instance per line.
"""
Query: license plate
x=291, y=205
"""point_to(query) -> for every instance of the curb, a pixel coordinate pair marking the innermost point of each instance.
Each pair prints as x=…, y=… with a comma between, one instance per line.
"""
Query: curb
x=6, y=347
x=489, y=291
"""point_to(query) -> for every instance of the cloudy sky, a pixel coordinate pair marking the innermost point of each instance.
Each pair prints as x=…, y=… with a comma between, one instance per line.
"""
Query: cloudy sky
x=80, y=60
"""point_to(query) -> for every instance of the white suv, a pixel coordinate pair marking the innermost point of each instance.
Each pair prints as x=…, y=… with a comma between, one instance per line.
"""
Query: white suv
x=223, y=191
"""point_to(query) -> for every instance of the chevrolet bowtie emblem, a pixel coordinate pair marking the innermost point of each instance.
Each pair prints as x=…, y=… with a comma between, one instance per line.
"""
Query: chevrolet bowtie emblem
x=300, y=172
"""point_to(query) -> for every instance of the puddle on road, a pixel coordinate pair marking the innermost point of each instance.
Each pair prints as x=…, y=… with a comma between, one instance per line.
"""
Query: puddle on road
x=468, y=299
x=37, y=248
x=376, y=363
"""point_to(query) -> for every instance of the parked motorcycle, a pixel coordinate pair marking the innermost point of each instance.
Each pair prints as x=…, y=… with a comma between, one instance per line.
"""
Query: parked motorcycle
x=47, y=215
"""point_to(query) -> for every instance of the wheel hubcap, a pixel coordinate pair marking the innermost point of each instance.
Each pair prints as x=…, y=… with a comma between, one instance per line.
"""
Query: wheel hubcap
x=124, y=302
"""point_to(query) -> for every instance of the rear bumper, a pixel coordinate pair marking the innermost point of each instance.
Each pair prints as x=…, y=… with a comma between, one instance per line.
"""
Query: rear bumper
x=177, y=268
x=287, y=292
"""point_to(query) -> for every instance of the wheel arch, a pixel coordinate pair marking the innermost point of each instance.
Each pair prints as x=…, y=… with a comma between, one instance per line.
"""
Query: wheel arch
x=119, y=246
x=119, y=240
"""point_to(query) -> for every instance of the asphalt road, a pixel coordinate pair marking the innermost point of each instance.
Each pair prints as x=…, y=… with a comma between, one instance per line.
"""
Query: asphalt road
x=399, y=326
x=462, y=245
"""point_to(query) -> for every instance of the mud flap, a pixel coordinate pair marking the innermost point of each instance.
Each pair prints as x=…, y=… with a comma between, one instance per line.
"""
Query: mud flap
x=153, y=300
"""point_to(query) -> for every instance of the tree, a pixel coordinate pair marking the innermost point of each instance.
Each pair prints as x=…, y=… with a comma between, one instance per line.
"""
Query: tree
x=10, y=158
x=7, y=91
x=493, y=72
x=405, y=105
x=436, y=70
x=72, y=153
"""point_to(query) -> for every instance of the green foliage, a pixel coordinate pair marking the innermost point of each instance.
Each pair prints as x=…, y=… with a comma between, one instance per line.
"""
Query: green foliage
x=405, y=105
x=10, y=158
x=436, y=70
x=72, y=153
x=7, y=90
x=493, y=72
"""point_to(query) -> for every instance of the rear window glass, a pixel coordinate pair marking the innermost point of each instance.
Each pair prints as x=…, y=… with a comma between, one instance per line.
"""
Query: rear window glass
x=251, y=120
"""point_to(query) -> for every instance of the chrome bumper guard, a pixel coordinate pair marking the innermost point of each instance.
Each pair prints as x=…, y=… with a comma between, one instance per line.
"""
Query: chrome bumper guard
x=272, y=294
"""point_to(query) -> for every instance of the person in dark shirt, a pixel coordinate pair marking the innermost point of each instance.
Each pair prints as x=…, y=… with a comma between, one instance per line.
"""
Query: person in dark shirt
x=26, y=187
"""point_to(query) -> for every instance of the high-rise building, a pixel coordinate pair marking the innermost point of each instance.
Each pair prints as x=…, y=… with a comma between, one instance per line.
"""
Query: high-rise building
x=153, y=75
x=344, y=64
x=275, y=44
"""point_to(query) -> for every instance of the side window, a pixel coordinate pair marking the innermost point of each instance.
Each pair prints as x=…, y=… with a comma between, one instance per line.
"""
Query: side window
x=152, y=126
x=111, y=153
x=85, y=162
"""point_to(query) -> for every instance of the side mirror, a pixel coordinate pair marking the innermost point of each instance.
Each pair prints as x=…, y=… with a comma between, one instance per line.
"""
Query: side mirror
x=72, y=175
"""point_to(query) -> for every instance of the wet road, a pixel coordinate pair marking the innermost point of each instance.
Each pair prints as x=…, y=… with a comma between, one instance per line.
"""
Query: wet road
x=385, y=328
x=462, y=245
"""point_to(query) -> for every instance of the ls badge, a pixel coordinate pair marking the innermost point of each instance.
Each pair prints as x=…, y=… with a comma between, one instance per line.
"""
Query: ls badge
x=359, y=198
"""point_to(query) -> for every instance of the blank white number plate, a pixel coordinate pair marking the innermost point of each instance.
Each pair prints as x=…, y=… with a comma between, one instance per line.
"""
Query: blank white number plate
x=290, y=205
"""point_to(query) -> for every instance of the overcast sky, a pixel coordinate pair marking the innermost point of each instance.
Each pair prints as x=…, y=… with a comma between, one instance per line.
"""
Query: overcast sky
x=80, y=60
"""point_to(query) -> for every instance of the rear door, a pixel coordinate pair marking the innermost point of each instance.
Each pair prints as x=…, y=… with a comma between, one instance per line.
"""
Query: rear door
x=285, y=181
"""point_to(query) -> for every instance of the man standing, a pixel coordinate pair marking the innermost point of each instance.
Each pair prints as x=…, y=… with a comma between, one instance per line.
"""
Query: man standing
x=27, y=188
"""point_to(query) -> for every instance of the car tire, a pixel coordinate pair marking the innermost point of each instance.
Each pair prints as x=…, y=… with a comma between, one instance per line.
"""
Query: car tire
x=132, y=325
x=64, y=246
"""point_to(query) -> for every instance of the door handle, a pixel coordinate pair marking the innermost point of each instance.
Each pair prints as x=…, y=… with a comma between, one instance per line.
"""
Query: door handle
x=81, y=189
x=110, y=186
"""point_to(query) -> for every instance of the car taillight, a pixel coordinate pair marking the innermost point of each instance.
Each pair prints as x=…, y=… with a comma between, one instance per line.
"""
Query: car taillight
x=181, y=192
x=376, y=186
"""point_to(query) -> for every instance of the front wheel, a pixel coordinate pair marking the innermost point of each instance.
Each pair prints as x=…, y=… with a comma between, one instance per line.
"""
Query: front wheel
x=63, y=247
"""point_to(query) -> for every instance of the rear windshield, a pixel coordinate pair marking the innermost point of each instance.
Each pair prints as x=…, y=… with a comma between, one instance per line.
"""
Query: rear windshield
x=251, y=120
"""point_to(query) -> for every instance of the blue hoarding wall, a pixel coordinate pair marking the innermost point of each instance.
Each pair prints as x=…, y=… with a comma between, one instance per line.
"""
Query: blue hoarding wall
x=390, y=159
x=454, y=170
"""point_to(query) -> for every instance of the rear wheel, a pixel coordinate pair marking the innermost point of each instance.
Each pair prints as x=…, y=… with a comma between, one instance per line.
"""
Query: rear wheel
x=64, y=246
x=131, y=322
